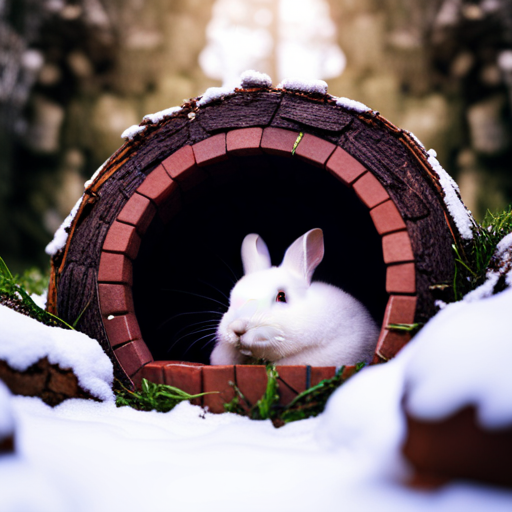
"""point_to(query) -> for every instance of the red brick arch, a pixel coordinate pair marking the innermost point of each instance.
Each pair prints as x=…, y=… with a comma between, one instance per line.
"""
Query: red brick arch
x=161, y=194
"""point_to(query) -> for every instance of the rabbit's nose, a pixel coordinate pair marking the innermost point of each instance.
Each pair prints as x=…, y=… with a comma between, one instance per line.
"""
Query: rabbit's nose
x=239, y=327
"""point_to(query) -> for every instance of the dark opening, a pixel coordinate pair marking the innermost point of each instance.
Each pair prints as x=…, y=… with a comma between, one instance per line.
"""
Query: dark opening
x=185, y=270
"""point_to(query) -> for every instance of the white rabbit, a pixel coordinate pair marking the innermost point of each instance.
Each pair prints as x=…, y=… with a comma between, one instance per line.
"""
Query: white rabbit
x=277, y=314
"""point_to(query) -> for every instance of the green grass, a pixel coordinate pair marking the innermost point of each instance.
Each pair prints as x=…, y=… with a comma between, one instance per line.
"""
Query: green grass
x=307, y=404
x=15, y=293
x=152, y=397
x=472, y=261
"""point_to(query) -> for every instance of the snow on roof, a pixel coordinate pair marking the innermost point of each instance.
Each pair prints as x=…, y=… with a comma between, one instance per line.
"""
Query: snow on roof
x=459, y=213
x=354, y=105
x=61, y=235
x=302, y=85
x=160, y=116
x=418, y=141
x=252, y=79
x=24, y=341
x=462, y=357
x=215, y=93
x=133, y=130
x=6, y=417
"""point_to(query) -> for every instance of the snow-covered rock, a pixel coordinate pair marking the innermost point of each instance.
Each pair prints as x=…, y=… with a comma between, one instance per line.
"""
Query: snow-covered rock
x=25, y=341
x=462, y=357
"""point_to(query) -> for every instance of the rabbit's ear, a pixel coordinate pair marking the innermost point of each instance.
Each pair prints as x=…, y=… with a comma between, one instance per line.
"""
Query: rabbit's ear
x=255, y=255
x=305, y=254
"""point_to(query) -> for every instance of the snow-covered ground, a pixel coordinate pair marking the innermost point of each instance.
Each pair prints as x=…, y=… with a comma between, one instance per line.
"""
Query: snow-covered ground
x=91, y=456
x=86, y=455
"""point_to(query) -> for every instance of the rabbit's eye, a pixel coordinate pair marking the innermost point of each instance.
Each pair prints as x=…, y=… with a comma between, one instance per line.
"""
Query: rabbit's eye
x=281, y=297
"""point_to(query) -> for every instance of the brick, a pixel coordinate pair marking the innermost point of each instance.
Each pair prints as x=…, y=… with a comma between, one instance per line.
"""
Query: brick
x=391, y=342
x=122, y=238
x=139, y=212
x=244, y=142
x=186, y=377
x=314, y=150
x=277, y=141
x=252, y=381
x=154, y=372
x=348, y=371
x=457, y=447
x=115, y=268
x=387, y=218
x=319, y=373
x=377, y=359
x=217, y=378
x=181, y=166
x=401, y=309
x=121, y=329
x=396, y=247
x=132, y=356
x=401, y=278
x=115, y=299
x=211, y=150
x=158, y=186
x=292, y=380
x=369, y=190
x=344, y=166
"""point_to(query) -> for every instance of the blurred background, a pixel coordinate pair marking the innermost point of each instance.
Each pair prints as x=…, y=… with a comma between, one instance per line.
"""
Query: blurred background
x=75, y=73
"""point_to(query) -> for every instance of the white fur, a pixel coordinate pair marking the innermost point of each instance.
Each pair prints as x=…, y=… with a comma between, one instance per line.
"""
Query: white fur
x=319, y=325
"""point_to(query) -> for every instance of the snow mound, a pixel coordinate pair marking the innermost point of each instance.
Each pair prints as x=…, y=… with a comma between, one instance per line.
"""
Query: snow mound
x=462, y=357
x=301, y=85
x=459, y=213
x=353, y=105
x=253, y=79
x=24, y=341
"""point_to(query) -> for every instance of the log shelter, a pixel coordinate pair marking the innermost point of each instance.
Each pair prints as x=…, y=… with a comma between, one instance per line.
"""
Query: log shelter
x=154, y=247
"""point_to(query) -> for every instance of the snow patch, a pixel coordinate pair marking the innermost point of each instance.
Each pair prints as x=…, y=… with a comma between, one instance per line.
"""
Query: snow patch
x=92, y=179
x=215, y=93
x=418, y=141
x=132, y=131
x=502, y=255
x=301, y=85
x=6, y=417
x=254, y=79
x=461, y=216
x=61, y=235
x=159, y=116
x=24, y=341
x=462, y=357
x=40, y=300
x=354, y=105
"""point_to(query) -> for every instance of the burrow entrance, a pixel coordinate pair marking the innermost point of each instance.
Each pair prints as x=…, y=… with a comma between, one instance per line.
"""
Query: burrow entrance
x=184, y=270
